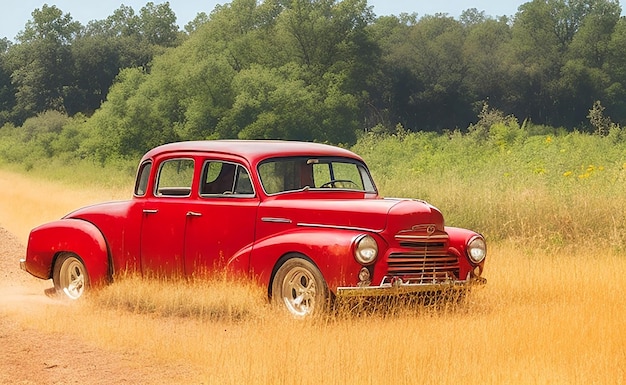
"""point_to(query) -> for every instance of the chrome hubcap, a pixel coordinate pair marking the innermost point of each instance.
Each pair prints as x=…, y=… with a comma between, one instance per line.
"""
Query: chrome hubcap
x=299, y=291
x=72, y=278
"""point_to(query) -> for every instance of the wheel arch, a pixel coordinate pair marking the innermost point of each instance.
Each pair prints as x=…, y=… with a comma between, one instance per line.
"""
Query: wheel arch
x=281, y=261
x=329, y=251
x=47, y=243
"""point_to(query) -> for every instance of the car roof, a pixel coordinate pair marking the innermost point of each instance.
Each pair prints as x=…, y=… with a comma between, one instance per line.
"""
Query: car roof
x=254, y=150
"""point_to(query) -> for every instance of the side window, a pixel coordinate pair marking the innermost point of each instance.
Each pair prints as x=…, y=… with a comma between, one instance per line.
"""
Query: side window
x=141, y=185
x=285, y=175
x=271, y=177
x=243, y=185
x=223, y=178
x=175, y=178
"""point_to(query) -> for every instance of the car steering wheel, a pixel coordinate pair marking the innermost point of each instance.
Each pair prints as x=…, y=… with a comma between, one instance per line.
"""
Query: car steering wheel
x=343, y=182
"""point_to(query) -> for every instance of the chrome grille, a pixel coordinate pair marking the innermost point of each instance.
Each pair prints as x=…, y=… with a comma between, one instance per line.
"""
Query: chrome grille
x=425, y=258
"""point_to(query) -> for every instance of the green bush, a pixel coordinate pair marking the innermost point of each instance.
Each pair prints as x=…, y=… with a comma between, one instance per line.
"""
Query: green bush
x=551, y=190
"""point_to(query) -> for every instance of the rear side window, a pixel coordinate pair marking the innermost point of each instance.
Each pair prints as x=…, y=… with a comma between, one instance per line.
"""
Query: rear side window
x=175, y=178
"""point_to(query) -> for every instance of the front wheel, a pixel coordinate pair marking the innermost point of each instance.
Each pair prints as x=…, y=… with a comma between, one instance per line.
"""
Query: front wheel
x=70, y=276
x=299, y=286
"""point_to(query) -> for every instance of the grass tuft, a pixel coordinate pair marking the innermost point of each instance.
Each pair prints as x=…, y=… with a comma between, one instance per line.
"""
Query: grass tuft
x=201, y=299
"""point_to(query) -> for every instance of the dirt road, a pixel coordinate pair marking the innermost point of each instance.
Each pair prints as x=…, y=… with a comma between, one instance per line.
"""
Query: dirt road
x=29, y=356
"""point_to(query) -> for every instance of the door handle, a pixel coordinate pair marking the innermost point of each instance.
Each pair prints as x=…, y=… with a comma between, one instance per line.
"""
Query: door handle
x=150, y=211
x=193, y=214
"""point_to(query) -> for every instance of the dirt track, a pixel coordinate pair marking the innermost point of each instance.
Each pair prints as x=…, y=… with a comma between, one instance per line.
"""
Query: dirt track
x=29, y=356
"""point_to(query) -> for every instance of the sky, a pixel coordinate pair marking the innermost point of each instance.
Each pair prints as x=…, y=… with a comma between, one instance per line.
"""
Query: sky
x=14, y=15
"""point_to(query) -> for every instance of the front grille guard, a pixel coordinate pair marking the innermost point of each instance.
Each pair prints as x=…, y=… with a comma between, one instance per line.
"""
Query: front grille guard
x=422, y=279
x=392, y=286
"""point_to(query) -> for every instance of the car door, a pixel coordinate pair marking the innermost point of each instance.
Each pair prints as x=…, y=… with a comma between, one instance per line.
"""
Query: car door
x=164, y=218
x=220, y=222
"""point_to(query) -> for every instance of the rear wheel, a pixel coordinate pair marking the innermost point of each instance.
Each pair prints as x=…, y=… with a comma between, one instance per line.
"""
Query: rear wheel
x=70, y=276
x=299, y=286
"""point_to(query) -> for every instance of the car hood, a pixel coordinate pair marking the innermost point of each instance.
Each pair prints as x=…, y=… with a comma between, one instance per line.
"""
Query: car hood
x=376, y=215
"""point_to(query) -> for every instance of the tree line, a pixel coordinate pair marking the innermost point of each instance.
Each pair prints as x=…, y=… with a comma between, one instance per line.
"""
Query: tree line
x=309, y=70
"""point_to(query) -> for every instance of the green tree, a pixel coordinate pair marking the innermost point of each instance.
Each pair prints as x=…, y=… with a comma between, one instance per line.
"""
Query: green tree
x=7, y=91
x=198, y=21
x=40, y=62
x=436, y=49
x=615, y=66
x=537, y=50
x=590, y=43
x=393, y=81
x=483, y=51
x=157, y=24
x=49, y=24
x=122, y=40
x=583, y=76
x=122, y=23
x=278, y=104
x=325, y=35
x=112, y=132
x=96, y=62
x=183, y=97
x=559, y=47
x=231, y=79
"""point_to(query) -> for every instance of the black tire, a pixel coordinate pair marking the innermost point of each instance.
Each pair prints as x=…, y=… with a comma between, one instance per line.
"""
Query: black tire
x=299, y=287
x=70, y=276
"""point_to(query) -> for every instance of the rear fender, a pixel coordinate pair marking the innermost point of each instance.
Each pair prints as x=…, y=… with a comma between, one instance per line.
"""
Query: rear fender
x=82, y=238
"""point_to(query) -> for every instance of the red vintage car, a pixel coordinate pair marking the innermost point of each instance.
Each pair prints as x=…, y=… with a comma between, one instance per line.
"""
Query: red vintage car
x=303, y=219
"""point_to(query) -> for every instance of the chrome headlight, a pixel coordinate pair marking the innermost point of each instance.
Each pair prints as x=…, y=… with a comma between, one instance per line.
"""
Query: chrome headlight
x=365, y=249
x=477, y=249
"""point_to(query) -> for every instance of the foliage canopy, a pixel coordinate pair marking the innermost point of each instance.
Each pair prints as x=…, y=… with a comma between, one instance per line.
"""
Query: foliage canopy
x=320, y=70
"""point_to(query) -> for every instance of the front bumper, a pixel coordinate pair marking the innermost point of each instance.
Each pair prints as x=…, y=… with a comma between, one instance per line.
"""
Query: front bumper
x=398, y=287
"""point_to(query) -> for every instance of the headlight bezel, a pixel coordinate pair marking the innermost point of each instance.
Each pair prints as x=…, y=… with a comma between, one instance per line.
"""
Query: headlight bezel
x=365, y=249
x=476, y=243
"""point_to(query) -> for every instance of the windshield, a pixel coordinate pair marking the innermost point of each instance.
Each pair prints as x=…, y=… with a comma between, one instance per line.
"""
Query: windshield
x=297, y=173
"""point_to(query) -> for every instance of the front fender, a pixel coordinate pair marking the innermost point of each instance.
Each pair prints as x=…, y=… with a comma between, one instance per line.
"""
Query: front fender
x=458, y=245
x=80, y=237
x=330, y=251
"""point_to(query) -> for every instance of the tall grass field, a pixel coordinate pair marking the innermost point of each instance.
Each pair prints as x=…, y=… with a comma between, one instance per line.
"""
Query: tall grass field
x=543, y=318
x=551, y=205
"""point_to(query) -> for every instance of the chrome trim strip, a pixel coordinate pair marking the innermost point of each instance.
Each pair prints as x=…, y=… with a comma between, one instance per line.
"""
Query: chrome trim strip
x=338, y=227
x=388, y=289
x=420, y=237
x=275, y=220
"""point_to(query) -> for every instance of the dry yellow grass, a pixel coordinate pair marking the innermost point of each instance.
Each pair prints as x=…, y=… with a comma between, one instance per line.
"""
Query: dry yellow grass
x=28, y=202
x=541, y=319
x=544, y=317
